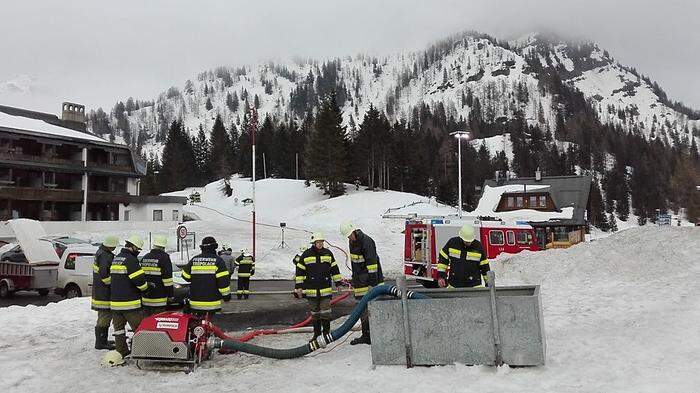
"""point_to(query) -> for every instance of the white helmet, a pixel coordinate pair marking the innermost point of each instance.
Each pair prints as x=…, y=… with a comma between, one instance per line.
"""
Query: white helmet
x=112, y=359
x=317, y=236
x=467, y=233
x=346, y=228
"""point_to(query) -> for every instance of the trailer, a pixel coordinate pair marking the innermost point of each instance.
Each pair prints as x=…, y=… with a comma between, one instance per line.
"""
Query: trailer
x=40, y=270
x=425, y=237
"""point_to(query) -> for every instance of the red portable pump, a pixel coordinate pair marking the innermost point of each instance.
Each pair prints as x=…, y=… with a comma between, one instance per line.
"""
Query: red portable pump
x=172, y=338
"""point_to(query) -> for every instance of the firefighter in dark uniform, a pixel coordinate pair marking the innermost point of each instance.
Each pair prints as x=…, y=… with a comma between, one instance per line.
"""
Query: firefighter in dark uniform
x=100, y=291
x=466, y=260
x=209, y=278
x=159, y=271
x=128, y=283
x=315, y=273
x=246, y=269
x=366, y=270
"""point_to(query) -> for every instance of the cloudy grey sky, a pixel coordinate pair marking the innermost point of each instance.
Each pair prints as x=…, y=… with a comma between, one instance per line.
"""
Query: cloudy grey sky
x=96, y=52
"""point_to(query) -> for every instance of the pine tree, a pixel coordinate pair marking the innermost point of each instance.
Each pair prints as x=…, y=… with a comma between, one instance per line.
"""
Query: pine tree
x=596, y=212
x=232, y=102
x=256, y=102
x=220, y=158
x=326, y=151
x=613, y=223
x=179, y=168
x=202, y=149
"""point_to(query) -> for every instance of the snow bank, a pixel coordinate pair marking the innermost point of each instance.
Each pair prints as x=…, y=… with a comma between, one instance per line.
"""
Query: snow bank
x=621, y=315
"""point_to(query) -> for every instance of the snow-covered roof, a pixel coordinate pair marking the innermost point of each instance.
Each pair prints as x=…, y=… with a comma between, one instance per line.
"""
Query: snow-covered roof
x=492, y=196
x=40, y=126
x=569, y=193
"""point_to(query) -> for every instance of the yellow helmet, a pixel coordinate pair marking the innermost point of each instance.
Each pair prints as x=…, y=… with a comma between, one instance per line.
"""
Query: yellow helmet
x=160, y=241
x=347, y=228
x=112, y=359
x=317, y=236
x=136, y=241
x=111, y=242
x=467, y=233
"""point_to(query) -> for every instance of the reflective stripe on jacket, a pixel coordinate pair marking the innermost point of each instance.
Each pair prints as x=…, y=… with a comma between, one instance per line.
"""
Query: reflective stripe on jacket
x=366, y=269
x=467, y=263
x=128, y=282
x=159, y=270
x=315, y=272
x=101, y=279
x=210, y=281
x=245, y=265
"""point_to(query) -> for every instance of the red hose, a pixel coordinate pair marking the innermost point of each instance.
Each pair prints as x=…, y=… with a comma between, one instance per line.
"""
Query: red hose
x=249, y=336
x=255, y=333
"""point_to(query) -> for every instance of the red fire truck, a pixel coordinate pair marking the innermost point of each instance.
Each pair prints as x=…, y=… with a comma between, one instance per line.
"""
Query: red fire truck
x=425, y=237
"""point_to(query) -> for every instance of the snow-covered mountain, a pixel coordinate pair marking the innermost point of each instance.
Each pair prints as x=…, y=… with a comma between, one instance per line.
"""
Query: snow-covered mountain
x=468, y=73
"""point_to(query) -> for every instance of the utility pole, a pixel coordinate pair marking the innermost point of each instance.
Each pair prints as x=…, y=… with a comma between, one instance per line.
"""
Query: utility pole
x=460, y=135
x=296, y=164
x=253, y=131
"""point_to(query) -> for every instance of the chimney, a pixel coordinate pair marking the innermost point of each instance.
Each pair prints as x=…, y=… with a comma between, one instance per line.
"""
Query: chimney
x=538, y=174
x=73, y=113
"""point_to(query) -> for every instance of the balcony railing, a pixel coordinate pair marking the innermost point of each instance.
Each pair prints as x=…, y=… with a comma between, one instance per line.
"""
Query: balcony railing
x=40, y=194
x=14, y=156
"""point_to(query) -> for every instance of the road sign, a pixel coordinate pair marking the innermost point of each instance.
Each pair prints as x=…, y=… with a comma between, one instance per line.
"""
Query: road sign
x=181, y=232
x=664, y=219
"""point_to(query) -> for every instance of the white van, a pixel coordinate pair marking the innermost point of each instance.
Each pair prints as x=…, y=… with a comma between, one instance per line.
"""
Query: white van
x=75, y=270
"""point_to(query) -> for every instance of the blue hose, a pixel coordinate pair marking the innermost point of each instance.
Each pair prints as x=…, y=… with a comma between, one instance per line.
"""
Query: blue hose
x=322, y=341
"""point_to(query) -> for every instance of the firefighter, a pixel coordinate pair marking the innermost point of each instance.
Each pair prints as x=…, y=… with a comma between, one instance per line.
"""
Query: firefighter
x=209, y=278
x=128, y=283
x=100, y=291
x=159, y=271
x=315, y=272
x=366, y=270
x=465, y=258
x=246, y=268
x=227, y=255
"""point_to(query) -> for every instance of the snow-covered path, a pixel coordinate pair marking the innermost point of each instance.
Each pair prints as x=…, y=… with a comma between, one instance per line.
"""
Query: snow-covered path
x=622, y=314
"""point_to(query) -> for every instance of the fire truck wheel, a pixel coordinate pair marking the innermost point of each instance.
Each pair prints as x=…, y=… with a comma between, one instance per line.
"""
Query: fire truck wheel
x=43, y=292
x=5, y=292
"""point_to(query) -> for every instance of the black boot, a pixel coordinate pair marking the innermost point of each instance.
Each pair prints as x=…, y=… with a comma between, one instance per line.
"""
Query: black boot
x=317, y=329
x=101, y=341
x=326, y=326
x=364, y=338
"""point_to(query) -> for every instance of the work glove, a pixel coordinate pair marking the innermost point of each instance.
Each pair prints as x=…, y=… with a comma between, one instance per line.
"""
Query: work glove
x=227, y=298
x=442, y=283
x=171, y=300
x=298, y=293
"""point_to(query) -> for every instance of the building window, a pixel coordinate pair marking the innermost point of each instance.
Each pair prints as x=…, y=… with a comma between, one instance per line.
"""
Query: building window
x=519, y=201
x=533, y=201
x=511, y=202
x=496, y=238
x=510, y=237
x=157, y=215
x=176, y=215
x=126, y=215
x=543, y=201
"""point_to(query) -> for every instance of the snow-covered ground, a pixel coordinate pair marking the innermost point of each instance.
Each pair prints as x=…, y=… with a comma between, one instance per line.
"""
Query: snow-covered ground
x=304, y=210
x=621, y=314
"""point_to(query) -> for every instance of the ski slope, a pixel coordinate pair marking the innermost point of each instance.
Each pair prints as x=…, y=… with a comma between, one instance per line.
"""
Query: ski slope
x=304, y=210
x=621, y=314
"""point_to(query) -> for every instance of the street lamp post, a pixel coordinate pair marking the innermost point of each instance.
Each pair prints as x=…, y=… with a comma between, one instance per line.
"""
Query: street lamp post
x=460, y=135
